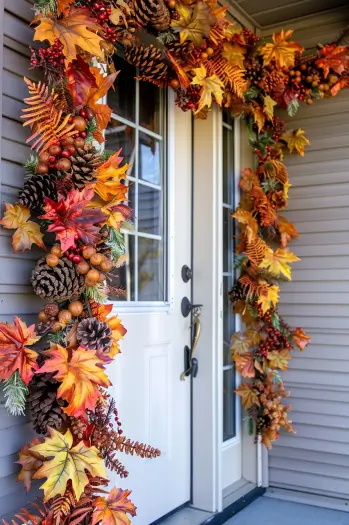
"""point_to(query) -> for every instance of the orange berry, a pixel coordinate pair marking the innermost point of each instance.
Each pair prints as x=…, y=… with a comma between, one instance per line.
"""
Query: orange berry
x=56, y=250
x=88, y=251
x=92, y=276
x=174, y=83
x=52, y=259
x=43, y=317
x=204, y=56
x=106, y=265
x=76, y=308
x=209, y=51
x=80, y=123
x=83, y=267
x=64, y=316
x=96, y=259
x=57, y=327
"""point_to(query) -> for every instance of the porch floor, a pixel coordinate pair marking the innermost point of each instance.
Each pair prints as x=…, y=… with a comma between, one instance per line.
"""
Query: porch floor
x=270, y=511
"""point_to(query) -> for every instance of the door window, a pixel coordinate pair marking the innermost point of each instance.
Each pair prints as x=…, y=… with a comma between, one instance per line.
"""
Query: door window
x=229, y=374
x=138, y=126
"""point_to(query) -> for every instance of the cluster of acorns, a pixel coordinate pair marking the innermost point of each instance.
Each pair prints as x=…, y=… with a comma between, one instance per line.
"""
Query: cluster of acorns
x=57, y=318
x=87, y=259
x=57, y=157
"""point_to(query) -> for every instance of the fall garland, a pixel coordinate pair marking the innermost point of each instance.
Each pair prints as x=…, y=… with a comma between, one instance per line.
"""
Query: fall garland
x=75, y=193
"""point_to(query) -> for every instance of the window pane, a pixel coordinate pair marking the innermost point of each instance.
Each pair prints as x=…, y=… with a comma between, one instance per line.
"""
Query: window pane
x=122, y=99
x=227, y=240
x=150, y=107
x=149, y=210
x=228, y=404
x=119, y=135
x=149, y=159
x=151, y=276
x=228, y=320
x=123, y=281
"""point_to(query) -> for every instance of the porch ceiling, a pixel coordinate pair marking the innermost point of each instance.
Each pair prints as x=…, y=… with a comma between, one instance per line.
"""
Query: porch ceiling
x=273, y=12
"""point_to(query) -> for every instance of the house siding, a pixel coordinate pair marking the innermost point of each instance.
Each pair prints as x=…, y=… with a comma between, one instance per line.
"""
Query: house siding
x=16, y=295
x=316, y=458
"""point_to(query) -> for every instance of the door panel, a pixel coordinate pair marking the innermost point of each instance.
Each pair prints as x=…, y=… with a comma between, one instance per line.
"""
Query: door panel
x=153, y=403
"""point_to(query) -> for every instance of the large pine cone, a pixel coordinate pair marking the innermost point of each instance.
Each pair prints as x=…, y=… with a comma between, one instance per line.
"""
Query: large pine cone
x=35, y=189
x=84, y=165
x=45, y=408
x=180, y=50
x=58, y=283
x=94, y=334
x=152, y=13
x=148, y=59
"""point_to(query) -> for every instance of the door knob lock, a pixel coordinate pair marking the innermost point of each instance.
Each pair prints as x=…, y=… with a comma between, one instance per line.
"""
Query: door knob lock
x=187, y=307
x=187, y=273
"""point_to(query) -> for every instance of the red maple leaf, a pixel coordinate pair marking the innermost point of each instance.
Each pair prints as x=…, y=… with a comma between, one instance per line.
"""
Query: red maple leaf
x=14, y=354
x=70, y=217
x=333, y=57
x=80, y=80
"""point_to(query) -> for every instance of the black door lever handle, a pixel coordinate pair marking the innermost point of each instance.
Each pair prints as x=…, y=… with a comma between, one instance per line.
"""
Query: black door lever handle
x=187, y=307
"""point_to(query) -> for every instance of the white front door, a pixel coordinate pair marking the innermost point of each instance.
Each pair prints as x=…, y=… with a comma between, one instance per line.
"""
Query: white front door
x=153, y=403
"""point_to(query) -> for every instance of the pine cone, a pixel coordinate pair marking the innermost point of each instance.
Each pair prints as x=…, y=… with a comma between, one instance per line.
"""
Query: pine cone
x=94, y=334
x=58, y=283
x=104, y=249
x=148, y=59
x=35, y=189
x=180, y=50
x=45, y=408
x=84, y=165
x=151, y=13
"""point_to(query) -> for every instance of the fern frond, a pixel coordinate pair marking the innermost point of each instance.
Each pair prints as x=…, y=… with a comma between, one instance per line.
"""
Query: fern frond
x=123, y=444
x=256, y=250
x=231, y=76
x=44, y=118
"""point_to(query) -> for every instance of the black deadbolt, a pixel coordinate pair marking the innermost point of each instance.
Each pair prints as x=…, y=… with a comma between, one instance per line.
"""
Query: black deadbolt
x=187, y=274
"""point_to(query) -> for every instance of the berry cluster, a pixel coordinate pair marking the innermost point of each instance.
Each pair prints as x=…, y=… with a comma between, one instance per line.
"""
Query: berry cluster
x=188, y=99
x=56, y=319
x=50, y=58
x=250, y=38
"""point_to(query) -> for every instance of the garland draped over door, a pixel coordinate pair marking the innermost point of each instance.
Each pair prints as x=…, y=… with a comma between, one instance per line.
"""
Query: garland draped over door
x=74, y=193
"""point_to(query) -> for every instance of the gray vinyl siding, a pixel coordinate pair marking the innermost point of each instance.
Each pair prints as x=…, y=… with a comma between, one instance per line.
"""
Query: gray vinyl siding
x=316, y=459
x=16, y=296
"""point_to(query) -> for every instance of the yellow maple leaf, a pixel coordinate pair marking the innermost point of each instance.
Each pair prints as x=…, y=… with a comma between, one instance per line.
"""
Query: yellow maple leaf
x=268, y=107
x=296, y=140
x=63, y=5
x=211, y=86
x=270, y=298
x=259, y=116
x=278, y=359
x=75, y=30
x=240, y=343
x=281, y=51
x=277, y=263
x=193, y=23
x=250, y=224
x=234, y=54
x=249, y=396
x=27, y=232
x=67, y=463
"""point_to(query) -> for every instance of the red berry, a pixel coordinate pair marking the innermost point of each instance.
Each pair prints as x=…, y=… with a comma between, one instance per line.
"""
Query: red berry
x=71, y=256
x=83, y=134
x=52, y=166
x=71, y=120
x=83, y=113
x=76, y=258
x=65, y=153
x=76, y=237
x=52, y=159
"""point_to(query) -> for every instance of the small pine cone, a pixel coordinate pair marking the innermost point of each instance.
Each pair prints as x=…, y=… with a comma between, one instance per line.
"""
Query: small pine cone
x=94, y=334
x=149, y=60
x=35, y=189
x=178, y=49
x=237, y=293
x=151, y=13
x=45, y=408
x=58, y=283
x=84, y=165
x=104, y=233
x=51, y=310
x=273, y=80
x=104, y=249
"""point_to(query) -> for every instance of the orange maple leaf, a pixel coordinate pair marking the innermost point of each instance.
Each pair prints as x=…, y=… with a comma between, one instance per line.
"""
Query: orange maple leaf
x=114, y=509
x=63, y=5
x=259, y=116
x=281, y=51
x=287, y=230
x=300, y=338
x=77, y=29
x=79, y=376
x=248, y=222
x=27, y=232
x=92, y=95
x=248, y=395
x=14, y=352
x=341, y=84
x=333, y=57
x=109, y=176
x=30, y=462
x=248, y=179
x=245, y=364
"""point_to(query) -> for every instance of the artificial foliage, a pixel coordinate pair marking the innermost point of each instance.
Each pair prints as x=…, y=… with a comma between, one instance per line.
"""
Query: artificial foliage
x=73, y=204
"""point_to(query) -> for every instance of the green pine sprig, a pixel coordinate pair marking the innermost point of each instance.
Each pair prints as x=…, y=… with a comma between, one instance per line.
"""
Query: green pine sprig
x=16, y=392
